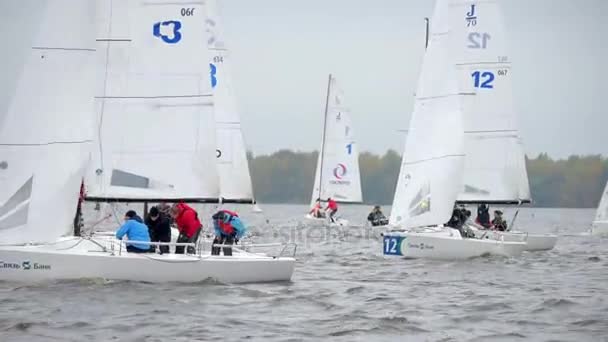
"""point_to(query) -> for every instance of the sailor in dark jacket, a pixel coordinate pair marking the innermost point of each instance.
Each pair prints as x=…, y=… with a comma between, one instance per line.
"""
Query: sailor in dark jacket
x=159, y=227
x=498, y=222
x=376, y=217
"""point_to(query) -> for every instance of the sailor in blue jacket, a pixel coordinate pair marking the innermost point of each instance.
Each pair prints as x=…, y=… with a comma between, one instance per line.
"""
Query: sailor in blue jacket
x=135, y=230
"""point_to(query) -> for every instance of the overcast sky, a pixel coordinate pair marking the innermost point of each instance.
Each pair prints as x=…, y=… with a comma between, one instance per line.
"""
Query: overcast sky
x=283, y=50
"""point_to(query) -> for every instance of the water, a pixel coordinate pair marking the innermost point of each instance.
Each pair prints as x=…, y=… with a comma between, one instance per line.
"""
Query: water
x=342, y=290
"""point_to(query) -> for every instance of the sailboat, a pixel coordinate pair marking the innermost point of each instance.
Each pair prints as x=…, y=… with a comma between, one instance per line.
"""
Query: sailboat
x=337, y=175
x=495, y=166
x=432, y=168
x=600, y=223
x=149, y=69
x=233, y=168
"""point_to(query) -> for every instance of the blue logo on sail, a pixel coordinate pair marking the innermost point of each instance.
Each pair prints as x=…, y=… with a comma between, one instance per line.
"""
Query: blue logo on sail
x=213, y=74
x=174, y=36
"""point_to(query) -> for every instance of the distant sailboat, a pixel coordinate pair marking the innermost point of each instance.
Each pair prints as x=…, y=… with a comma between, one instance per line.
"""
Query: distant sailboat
x=337, y=175
x=433, y=164
x=600, y=223
x=155, y=141
x=495, y=166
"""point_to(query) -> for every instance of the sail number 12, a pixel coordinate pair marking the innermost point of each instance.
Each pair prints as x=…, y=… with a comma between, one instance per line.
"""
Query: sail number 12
x=392, y=245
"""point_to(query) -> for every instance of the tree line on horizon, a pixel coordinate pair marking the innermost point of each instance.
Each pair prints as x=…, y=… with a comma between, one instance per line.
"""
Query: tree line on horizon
x=287, y=177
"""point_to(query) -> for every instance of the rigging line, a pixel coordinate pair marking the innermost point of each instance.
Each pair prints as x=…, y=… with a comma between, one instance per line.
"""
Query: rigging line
x=495, y=131
x=443, y=96
x=484, y=63
x=434, y=158
x=51, y=143
x=113, y=40
x=154, y=97
x=105, y=88
x=61, y=48
x=323, y=138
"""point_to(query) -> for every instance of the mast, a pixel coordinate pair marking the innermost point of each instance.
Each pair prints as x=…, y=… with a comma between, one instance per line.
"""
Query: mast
x=324, y=134
x=426, y=39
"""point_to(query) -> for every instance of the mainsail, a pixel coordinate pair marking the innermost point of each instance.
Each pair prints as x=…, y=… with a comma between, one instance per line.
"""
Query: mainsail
x=337, y=174
x=156, y=130
x=432, y=166
x=233, y=167
x=495, y=168
x=46, y=115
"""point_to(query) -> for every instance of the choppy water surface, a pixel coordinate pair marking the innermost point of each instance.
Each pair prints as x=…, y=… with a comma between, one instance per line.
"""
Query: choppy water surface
x=342, y=290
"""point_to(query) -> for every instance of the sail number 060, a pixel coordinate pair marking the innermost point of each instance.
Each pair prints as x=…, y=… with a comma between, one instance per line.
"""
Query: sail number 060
x=187, y=12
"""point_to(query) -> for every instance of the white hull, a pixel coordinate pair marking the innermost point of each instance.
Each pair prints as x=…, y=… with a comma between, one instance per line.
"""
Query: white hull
x=445, y=244
x=534, y=242
x=317, y=222
x=76, y=258
x=599, y=228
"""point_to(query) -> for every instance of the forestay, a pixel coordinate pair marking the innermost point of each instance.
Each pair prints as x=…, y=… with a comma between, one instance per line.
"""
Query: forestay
x=602, y=209
x=432, y=166
x=156, y=131
x=495, y=169
x=233, y=168
x=337, y=174
x=46, y=113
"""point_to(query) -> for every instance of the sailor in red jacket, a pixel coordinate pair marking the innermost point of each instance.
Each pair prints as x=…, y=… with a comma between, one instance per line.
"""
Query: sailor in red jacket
x=188, y=225
x=332, y=208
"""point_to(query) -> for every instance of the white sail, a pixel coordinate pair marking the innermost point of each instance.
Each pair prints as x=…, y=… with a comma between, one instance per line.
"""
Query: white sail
x=601, y=214
x=46, y=117
x=156, y=131
x=432, y=166
x=337, y=174
x=233, y=168
x=495, y=169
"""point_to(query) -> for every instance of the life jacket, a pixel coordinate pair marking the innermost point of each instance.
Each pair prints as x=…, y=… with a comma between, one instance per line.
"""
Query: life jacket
x=230, y=225
x=226, y=224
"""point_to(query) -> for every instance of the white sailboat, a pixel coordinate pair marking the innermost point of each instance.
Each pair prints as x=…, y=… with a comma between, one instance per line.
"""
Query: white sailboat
x=495, y=166
x=150, y=69
x=233, y=167
x=433, y=164
x=600, y=223
x=337, y=175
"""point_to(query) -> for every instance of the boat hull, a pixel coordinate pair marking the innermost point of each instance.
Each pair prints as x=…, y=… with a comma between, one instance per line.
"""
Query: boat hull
x=445, y=244
x=534, y=242
x=599, y=228
x=87, y=260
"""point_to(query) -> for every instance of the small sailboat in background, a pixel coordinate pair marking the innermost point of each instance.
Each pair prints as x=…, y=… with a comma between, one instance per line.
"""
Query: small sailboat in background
x=151, y=71
x=495, y=167
x=600, y=223
x=432, y=169
x=337, y=175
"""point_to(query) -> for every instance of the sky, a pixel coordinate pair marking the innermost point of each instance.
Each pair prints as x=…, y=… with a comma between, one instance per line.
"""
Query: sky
x=283, y=50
